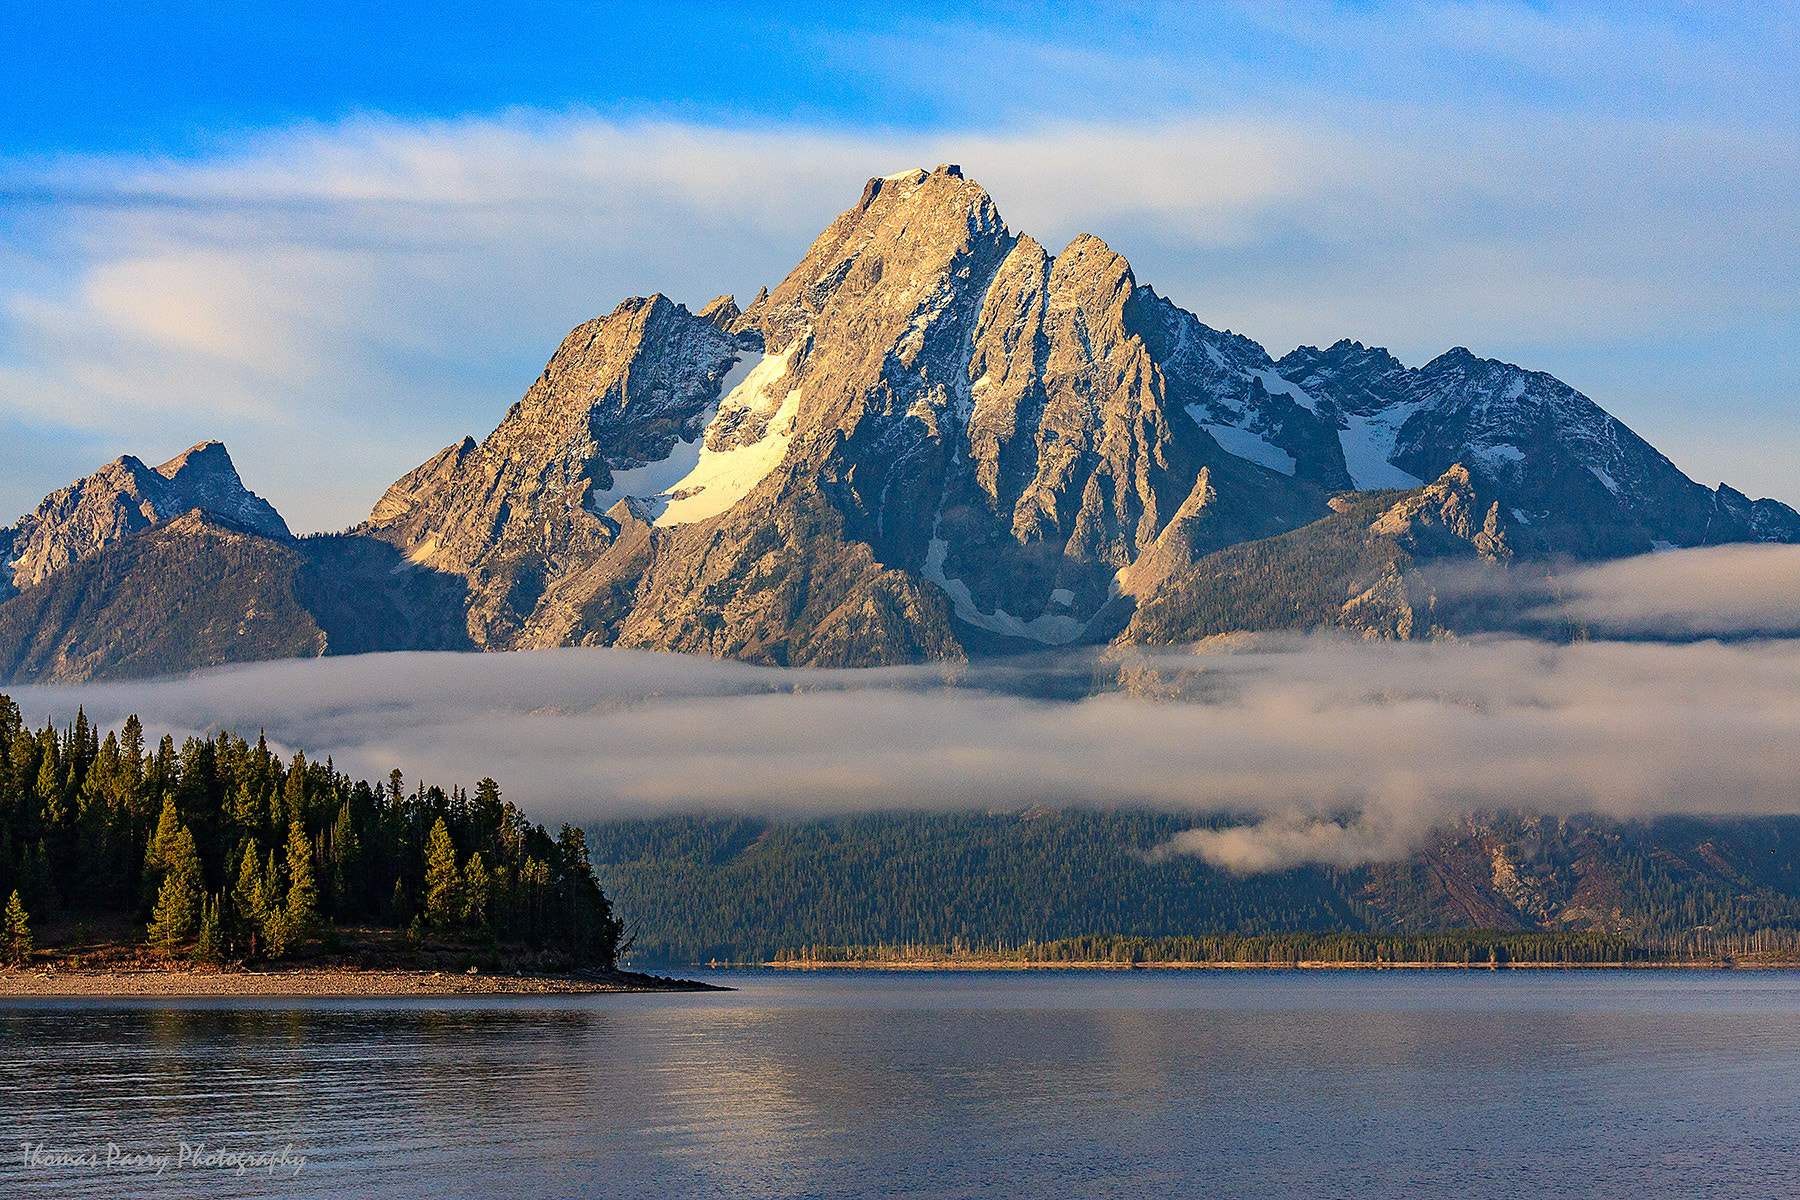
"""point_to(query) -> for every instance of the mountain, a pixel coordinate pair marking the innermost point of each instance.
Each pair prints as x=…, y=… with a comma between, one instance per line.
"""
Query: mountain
x=200, y=591
x=935, y=439
x=697, y=888
x=928, y=399
x=194, y=591
x=1572, y=478
x=123, y=498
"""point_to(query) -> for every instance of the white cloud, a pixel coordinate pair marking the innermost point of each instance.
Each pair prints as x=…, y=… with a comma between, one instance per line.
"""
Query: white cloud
x=1337, y=751
x=339, y=301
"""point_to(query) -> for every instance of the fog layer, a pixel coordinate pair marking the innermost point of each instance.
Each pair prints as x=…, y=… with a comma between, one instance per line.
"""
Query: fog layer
x=1332, y=750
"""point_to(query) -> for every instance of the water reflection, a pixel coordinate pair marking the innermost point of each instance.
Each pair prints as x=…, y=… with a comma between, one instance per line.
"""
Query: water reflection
x=1272, y=1085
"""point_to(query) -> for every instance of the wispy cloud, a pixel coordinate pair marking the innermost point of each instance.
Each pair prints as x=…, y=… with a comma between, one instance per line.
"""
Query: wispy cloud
x=1333, y=750
x=340, y=300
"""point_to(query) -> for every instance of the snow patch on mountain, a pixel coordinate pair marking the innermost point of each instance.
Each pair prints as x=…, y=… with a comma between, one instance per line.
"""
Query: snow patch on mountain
x=655, y=480
x=1368, y=445
x=1275, y=385
x=1245, y=443
x=1497, y=458
x=718, y=479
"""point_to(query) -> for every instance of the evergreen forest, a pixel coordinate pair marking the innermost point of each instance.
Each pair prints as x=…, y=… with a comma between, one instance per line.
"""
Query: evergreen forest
x=222, y=850
x=742, y=889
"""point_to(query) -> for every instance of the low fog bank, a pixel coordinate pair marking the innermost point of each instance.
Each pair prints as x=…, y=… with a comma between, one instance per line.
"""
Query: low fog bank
x=1731, y=592
x=1332, y=750
x=1297, y=730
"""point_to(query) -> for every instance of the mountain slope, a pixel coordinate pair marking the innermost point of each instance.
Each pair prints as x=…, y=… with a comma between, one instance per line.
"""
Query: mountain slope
x=193, y=592
x=1354, y=569
x=1573, y=477
x=935, y=439
x=742, y=889
x=200, y=591
x=123, y=498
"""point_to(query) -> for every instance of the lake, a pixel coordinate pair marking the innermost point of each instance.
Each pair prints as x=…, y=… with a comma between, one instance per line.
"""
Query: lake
x=1256, y=1084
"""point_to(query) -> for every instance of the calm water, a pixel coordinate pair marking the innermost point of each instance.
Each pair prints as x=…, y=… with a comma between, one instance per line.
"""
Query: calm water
x=1202, y=1084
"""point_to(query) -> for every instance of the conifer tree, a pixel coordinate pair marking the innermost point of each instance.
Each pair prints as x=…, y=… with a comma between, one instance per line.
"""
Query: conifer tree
x=34, y=877
x=477, y=890
x=159, y=857
x=18, y=932
x=209, y=944
x=179, y=898
x=300, y=912
x=443, y=900
x=252, y=898
x=345, y=852
x=277, y=934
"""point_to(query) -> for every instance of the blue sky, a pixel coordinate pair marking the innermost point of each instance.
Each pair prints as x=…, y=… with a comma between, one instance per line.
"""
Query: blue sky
x=340, y=237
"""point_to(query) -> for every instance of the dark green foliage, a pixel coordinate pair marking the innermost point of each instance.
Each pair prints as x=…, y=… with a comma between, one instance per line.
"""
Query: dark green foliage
x=1460, y=947
x=223, y=838
x=443, y=882
x=740, y=889
x=17, y=933
x=181, y=895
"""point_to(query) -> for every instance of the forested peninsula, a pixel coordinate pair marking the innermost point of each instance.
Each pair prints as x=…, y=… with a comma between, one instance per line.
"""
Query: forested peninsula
x=219, y=850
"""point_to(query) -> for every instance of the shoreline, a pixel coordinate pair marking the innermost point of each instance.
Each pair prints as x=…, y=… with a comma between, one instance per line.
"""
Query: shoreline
x=1721, y=964
x=323, y=983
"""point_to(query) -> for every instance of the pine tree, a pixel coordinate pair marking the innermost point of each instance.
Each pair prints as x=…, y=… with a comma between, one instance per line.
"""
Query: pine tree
x=301, y=911
x=345, y=852
x=179, y=898
x=209, y=945
x=277, y=935
x=18, y=932
x=477, y=889
x=159, y=857
x=443, y=885
x=34, y=877
x=254, y=901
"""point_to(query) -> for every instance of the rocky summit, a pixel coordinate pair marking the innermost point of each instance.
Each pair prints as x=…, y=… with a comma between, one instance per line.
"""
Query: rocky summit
x=123, y=498
x=936, y=438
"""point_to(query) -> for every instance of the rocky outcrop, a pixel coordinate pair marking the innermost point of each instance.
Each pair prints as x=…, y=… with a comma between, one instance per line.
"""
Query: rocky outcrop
x=514, y=514
x=1360, y=568
x=123, y=498
x=1574, y=479
x=1446, y=518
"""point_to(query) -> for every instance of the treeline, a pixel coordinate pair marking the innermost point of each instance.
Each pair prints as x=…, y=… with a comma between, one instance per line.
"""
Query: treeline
x=224, y=850
x=738, y=889
x=1451, y=948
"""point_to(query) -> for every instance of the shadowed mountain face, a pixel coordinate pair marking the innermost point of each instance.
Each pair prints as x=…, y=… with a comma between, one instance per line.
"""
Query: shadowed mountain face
x=935, y=438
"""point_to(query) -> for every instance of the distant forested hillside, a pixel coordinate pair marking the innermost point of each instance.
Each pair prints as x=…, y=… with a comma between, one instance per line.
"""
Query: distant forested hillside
x=695, y=889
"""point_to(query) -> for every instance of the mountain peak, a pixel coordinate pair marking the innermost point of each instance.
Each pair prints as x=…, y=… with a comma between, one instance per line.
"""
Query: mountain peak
x=208, y=456
x=126, y=497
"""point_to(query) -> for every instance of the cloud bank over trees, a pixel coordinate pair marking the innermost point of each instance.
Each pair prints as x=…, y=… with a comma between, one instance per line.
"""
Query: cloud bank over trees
x=1331, y=750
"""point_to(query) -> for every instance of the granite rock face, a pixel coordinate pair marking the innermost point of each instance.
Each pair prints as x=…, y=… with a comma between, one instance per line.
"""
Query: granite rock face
x=933, y=438
x=1572, y=478
x=936, y=434
x=123, y=498
x=514, y=514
